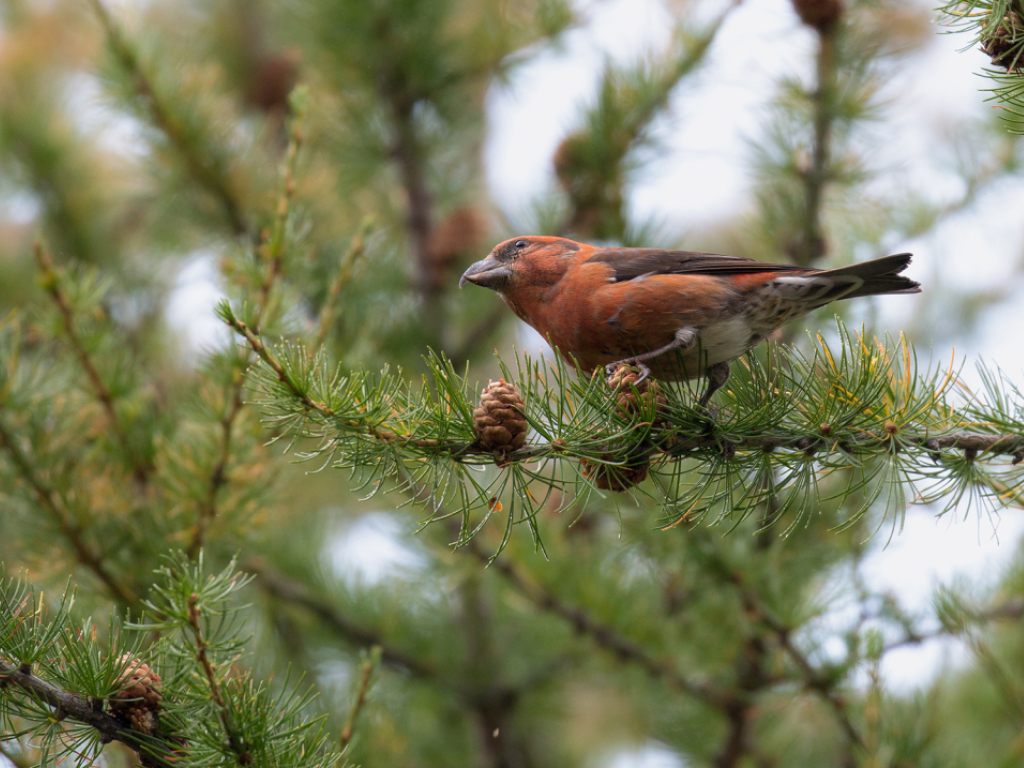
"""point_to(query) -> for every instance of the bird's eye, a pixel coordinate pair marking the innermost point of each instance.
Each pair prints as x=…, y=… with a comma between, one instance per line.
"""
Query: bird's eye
x=521, y=243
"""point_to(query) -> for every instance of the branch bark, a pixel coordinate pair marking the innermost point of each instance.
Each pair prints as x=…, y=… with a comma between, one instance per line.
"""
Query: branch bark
x=156, y=751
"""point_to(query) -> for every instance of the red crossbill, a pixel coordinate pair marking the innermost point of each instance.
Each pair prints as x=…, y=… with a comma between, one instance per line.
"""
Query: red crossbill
x=674, y=314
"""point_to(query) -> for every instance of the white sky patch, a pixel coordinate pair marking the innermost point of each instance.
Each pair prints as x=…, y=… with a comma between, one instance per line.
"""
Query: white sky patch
x=191, y=305
x=650, y=755
x=371, y=550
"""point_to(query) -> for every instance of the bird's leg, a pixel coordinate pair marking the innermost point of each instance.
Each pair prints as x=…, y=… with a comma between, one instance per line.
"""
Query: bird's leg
x=718, y=374
x=685, y=338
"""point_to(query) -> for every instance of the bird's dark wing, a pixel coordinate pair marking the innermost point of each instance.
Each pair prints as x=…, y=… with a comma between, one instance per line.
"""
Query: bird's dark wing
x=631, y=263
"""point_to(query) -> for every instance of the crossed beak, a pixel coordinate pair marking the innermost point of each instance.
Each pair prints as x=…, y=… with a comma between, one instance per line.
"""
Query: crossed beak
x=488, y=273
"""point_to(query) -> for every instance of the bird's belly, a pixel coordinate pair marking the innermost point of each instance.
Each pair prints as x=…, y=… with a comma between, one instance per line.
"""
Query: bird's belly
x=720, y=342
x=725, y=340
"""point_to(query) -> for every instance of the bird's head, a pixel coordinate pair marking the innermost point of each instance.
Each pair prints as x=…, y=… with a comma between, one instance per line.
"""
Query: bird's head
x=522, y=261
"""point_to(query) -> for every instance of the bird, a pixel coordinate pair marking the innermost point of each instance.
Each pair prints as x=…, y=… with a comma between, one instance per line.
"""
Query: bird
x=673, y=315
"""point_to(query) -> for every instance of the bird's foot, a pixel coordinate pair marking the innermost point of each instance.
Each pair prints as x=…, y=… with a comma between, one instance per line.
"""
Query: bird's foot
x=611, y=368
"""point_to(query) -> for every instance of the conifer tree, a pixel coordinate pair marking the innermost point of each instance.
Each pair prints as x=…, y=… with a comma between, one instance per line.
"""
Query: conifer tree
x=589, y=565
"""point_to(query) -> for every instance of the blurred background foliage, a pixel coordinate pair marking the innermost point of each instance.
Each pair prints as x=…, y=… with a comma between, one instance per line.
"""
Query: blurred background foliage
x=323, y=161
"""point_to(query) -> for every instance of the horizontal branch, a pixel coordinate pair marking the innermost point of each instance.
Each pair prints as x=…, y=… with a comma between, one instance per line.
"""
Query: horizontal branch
x=675, y=444
x=153, y=750
x=1011, y=610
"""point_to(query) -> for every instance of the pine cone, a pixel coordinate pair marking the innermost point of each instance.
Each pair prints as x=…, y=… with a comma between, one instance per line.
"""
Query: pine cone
x=271, y=82
x=634, y=398
x=139, y=702
x=1001, y=46
x=820, y=14
x=459, y=233
x=499, y=420
x=616, y=477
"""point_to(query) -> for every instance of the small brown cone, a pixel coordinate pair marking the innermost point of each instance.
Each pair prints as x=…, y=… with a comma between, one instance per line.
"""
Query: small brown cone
x=635, y=399
x=820, y=14
x=1003, y=47
x=616, y=477
x=461, y=232
x=271, y=82
x=139, y=703
x=499, y=419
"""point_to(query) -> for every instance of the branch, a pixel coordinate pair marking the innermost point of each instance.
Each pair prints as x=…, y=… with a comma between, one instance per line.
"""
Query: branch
x=812, y=678
x=605, y=636
x=408, y=153
x=364, y=688
x=223, y=712
x=153, y=750
x=345, y=269
x=1011, y=609
x=66, y=524
x=280, y=587
x=203, y=170
x=51, y=283
x=812, y=245
x=972, y=443
x=479, y=333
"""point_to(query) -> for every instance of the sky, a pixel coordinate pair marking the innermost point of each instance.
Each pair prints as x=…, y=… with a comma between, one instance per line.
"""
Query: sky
x=700, y=179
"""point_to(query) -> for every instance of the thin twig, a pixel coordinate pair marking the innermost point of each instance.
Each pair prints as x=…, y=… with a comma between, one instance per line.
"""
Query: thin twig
x=70, y=528
x=361, y=692
x=1010, y=610
x=812, y=678
x=223, y=711
x=345, y=269
x=479, y=333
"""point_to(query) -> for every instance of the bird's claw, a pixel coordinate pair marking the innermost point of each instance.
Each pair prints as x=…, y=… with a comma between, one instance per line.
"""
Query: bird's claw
x=645, y=371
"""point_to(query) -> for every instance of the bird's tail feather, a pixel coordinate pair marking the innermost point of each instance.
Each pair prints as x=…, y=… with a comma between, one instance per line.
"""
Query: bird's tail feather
x=879, y=276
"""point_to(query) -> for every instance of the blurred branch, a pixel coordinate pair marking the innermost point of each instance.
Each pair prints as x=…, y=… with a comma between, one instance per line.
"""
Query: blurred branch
x=52, y=285
x=812, y=244
x=812, y=678
x=592, y=162
x=153, y=750
x=361, y=693
x=1010, y=610
x=272, y=252
x=479, y=333
x=204, y=170
x=408, y=154
x=492, y=703
x=69, y=528
x=605, y=636
x=289, y=591
x=341, y=278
